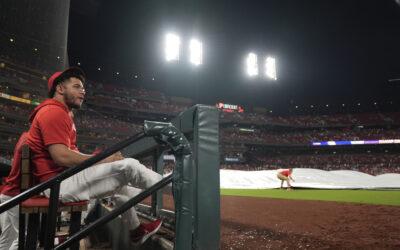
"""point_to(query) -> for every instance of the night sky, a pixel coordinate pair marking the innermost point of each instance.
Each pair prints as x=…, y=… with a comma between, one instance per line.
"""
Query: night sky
x=327, y=52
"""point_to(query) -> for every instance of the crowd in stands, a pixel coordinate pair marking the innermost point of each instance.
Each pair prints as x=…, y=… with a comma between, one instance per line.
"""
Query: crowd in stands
x=95, y=127
x=136, y=99
x=366, y=119
x=136, y=105
x=7, y=155
x=133, y=98
x=15, y=109
x=125, y=91
x=87, y=121
x=307, y=136
x=168, y=166
x=154, y=101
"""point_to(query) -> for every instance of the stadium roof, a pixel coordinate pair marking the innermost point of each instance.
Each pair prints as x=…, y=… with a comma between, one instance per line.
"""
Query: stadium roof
x=327, y=52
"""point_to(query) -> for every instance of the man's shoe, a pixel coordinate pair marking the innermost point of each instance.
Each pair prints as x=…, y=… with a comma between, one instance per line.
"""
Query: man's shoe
x=144, y=231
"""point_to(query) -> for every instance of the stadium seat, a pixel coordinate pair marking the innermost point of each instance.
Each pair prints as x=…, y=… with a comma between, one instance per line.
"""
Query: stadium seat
x=35, y=209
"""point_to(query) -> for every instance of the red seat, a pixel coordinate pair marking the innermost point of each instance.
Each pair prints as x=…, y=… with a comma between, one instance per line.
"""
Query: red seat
x=41, y=204
x=37, y=207
x=42, y=201
x=36, y=202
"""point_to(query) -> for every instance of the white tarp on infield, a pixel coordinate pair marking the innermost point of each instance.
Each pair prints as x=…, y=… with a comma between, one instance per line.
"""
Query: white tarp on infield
x=308, y=178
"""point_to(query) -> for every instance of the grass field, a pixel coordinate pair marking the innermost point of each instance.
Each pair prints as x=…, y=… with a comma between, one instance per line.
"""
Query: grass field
x=375, y=197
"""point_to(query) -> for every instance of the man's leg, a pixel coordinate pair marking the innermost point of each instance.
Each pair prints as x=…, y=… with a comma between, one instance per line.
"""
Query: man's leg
x=282, y=178
x=9, y=227
x=124, y=194
x=106, y=179
x=139, y=232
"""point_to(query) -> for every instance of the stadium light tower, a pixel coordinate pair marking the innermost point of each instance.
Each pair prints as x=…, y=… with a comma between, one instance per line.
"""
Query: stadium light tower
x=270, y=68
x=172, y=47
x=251, y=65
x=196, y=52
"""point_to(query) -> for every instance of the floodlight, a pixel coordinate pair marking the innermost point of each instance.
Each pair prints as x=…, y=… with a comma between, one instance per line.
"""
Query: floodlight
x=251, y=63
x=196, y=52
x=270, y=69
x=172, y=45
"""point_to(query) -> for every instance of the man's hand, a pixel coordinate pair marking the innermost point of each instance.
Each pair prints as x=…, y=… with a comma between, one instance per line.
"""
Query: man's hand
x=118, y=156
x=63, y=156
x=114, y=157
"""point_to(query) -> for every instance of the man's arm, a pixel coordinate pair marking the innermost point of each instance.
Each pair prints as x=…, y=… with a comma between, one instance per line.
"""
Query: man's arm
x=63, y=156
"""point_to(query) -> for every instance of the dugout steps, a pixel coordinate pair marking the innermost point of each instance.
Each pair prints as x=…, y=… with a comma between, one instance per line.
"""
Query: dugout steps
x=115, y=235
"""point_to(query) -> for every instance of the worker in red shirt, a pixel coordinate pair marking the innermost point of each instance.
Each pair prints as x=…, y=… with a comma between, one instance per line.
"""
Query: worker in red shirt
x=52, y=141
x=285, y=175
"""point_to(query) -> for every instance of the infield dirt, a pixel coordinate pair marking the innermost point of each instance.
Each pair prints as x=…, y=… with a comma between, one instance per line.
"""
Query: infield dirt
x=263, y=223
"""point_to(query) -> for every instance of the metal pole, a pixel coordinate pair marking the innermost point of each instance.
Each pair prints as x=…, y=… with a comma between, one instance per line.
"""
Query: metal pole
x=115, y=213
x=69, y=172
x=52, y=217
x=157, y=198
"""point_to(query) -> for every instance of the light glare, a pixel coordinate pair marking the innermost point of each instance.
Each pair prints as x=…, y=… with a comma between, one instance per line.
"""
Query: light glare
x=270, y=68
x=172, y=46
x=196, y=52
x=252, y=66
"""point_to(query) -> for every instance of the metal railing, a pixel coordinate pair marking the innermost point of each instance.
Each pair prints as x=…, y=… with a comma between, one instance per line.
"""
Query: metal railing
x=164, y=133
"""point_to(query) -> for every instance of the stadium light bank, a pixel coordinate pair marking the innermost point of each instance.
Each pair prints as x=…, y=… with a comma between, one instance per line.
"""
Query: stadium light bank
x=173, y=47
x=252, y=67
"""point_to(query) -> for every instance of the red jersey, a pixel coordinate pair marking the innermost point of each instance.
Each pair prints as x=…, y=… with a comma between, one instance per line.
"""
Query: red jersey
x=285, y=172
x=12, y=182
x=52, y=123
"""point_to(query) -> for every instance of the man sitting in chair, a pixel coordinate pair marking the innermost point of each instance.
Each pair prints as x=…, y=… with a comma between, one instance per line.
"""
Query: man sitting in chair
x=52, y=141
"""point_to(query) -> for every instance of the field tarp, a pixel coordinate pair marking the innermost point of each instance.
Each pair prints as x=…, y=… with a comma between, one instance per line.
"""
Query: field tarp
x=308, y=178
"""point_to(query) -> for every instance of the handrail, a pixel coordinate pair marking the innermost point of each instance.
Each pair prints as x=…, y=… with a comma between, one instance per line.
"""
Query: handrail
x=116, y=212
x=164, y=133
x=68, y=173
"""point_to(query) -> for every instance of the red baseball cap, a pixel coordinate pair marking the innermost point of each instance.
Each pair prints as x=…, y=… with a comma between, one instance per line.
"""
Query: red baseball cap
x=56, y=77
